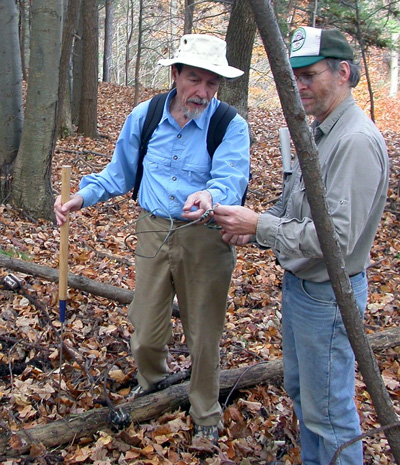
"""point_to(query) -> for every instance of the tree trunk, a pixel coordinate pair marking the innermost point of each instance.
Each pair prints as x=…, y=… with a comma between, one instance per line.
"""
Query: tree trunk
x=64, y=125
x=129, y=35
x=153, y=405
x=394, y=66
x=31, y=186
x=309, y=162
x=360, y=40
x=11, y=110
x=138, y=53
x=189, y=11
x=77, y=69
x=239, y=51
x=88, y=104
x=108, y=35
x=22, y=36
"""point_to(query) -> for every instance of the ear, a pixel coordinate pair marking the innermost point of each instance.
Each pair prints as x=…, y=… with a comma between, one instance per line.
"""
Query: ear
x=344, y=71
x=174, y=72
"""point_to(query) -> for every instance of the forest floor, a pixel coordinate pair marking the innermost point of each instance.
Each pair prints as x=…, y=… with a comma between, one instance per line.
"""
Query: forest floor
x=258, y=422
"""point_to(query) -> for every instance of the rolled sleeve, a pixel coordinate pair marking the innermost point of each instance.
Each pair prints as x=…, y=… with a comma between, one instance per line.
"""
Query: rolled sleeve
x=119, y=175
x=267, y=230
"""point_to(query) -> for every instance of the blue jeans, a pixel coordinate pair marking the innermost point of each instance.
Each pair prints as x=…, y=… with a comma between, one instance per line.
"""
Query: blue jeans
x=319, y=368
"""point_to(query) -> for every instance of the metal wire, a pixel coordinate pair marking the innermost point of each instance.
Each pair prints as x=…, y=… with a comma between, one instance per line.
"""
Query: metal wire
x=168, y=231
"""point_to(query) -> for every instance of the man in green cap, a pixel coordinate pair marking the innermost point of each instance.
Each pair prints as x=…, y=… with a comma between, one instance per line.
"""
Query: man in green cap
x=318, y=359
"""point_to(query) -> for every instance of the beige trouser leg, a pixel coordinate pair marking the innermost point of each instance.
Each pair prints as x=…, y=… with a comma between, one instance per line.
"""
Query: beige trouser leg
x=197, y=265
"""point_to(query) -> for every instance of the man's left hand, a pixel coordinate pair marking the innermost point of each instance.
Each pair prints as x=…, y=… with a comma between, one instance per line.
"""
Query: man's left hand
x=201, y=201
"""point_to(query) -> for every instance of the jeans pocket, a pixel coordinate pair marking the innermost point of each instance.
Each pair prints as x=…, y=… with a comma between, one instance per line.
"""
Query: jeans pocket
x=321, y=293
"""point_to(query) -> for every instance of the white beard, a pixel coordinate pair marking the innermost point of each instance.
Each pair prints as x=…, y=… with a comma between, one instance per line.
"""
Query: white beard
x=193, y=114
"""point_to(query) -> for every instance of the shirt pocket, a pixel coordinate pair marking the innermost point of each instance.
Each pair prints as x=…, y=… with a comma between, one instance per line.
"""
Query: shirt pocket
x=153, y=162
x=197, y=173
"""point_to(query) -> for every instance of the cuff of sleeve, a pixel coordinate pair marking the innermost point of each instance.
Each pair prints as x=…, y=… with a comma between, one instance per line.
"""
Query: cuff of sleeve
x=85, y=193
x=267, y=229
x=215, y=195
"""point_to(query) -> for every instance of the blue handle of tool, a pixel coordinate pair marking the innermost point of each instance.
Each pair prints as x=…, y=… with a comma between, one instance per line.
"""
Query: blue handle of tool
x=63, y=306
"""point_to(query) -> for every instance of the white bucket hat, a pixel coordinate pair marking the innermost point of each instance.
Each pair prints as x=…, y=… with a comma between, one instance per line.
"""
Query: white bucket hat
x=203, y=51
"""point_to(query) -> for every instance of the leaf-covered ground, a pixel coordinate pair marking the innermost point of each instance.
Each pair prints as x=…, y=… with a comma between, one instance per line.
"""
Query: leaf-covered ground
x=258, y=422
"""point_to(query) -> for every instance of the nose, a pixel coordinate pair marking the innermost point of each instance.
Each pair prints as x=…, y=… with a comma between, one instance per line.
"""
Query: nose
x=202, y=90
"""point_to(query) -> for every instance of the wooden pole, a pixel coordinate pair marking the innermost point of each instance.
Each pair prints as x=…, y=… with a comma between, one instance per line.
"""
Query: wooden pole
x=63, y=266
x=64, y=232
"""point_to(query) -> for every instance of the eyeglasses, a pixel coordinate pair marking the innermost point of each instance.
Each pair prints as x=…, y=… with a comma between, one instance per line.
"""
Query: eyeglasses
x=308, y=78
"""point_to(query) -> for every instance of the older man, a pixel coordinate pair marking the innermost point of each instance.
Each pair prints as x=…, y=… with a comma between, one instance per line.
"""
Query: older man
x=318, y=359
x=173, y=257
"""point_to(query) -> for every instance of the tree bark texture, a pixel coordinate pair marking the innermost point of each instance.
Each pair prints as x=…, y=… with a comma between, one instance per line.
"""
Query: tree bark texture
x=153, y=405
x=22, y=36
x=189, y=12
x=77, y=68
x=31, y=186
x=239, y=51
x=70, y=25
x=108, y=35
x=11, y=110
x=308, y=157
x=88, y=105
x=138, y=53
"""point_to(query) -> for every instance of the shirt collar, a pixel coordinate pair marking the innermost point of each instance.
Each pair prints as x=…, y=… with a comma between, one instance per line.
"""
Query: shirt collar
x=326, y=126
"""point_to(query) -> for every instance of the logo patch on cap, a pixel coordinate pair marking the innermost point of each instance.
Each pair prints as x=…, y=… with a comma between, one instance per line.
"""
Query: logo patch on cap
x=298, y=39
x=306, y=41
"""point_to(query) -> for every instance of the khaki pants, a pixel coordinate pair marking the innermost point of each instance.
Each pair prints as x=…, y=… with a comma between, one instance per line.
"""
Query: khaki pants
x=196, y=265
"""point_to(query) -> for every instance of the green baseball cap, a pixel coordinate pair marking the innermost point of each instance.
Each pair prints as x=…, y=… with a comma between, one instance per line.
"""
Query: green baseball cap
x=310, y=45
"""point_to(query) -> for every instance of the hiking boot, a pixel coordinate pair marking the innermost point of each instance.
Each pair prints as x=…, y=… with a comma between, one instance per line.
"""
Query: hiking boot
x=206, y=432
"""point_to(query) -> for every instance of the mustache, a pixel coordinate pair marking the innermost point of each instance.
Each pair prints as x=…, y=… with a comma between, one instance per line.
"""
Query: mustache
x=199, y=101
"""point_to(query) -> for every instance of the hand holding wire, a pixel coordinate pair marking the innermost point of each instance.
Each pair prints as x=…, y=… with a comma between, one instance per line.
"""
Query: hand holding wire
x=197, y=205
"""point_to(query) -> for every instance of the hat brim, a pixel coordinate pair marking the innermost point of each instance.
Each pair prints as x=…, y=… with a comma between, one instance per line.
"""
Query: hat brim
x=226, y=71
x=301, y=62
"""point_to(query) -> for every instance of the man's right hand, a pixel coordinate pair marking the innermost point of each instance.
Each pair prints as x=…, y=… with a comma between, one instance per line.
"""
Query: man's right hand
x=60, y=210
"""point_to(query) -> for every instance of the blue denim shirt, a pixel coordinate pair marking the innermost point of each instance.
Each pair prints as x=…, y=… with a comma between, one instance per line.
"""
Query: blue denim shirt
x=176, y=164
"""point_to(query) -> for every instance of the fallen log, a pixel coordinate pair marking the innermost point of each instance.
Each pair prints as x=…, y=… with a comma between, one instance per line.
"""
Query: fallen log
x=124, y=296
x=153, y=405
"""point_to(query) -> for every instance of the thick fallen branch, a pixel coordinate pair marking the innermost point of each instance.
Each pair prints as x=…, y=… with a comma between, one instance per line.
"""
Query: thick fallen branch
x=124, y=296
x=153, y=405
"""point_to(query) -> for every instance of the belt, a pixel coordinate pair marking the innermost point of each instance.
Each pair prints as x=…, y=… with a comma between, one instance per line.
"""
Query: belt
x=350, y=276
